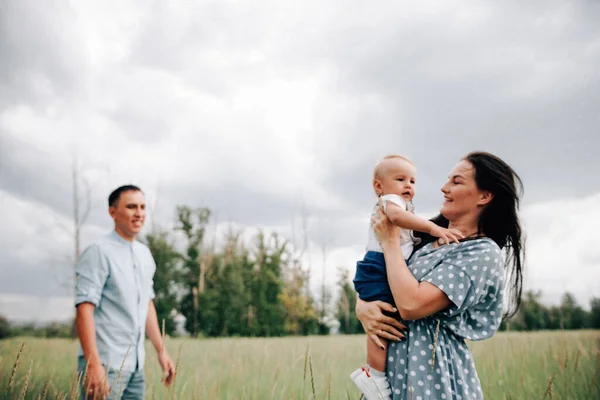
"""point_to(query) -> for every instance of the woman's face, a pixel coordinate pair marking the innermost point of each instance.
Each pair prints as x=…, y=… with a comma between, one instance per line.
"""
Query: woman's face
x=461, y=194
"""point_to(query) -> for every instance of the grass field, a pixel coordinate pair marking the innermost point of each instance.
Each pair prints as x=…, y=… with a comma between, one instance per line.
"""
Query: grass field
x=551, y=365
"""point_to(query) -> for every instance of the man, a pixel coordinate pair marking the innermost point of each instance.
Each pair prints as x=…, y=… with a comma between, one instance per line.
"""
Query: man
x=115, y=308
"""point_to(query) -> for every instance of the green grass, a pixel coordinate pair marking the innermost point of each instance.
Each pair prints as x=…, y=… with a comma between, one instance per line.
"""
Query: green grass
x=551, y=365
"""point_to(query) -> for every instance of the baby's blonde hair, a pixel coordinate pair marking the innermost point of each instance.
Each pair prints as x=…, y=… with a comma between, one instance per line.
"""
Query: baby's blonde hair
x=376, y=170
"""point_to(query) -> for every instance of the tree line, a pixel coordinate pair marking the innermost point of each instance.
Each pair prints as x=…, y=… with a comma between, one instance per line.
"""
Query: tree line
x=533, y=315
x=261, y=288
x=240, y=289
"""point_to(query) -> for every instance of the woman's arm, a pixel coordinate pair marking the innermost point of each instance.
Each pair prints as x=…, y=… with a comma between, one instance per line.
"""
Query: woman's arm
x=414, y=299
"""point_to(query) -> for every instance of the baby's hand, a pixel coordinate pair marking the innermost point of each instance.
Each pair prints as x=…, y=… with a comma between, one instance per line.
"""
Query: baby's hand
x=448, y=235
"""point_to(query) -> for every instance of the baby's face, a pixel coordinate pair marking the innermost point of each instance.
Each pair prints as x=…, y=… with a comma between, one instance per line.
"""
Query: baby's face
x=396, y=176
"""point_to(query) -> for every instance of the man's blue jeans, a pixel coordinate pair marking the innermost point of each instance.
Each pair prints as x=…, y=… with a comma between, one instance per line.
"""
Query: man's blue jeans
x=129, y=386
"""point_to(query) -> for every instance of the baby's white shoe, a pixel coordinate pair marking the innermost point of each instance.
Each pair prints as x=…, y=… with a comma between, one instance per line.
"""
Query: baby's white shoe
x=373, y=387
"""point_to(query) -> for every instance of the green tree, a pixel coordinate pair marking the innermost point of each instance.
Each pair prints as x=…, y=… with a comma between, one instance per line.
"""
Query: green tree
x=324, y=313
x=535, y=315
x=594, y=321
x=345, y=310
x=266, y=285
x=4, y=327
x=28, y=329
x=167, y=278
x=196, y=261
x=57, y=330
x=572, y=315
x=555, y=318
x=226, y=298
x=300, y=314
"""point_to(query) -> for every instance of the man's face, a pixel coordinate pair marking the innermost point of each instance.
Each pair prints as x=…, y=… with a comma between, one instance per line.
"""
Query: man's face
x=129, y=213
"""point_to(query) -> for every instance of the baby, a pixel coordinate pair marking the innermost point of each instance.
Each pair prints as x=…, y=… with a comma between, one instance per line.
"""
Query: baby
x=394, y=182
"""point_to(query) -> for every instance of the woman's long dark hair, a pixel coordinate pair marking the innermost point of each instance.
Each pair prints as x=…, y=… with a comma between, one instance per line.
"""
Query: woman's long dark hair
x=499, y=220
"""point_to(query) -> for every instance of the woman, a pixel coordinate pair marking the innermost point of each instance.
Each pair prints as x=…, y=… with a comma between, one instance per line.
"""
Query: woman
x=451, y=292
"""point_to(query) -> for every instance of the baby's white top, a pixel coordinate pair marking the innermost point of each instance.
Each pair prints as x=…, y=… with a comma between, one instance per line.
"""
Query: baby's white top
x=406, y=238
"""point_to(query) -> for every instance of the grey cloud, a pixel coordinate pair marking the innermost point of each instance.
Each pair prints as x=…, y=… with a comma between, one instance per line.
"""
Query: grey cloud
x=188, y=45
x=39, y=53
x=38, y=309
x=142, y=128
x=19, y=275
x=44, y=61
x=236, y=202
x=433, y=88
x=32, y=174
x=446, y=87
x=548, y=136
x=550, y=145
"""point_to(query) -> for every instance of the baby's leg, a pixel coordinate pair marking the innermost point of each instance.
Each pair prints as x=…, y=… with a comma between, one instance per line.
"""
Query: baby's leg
x=375, y=356
x=371, y=380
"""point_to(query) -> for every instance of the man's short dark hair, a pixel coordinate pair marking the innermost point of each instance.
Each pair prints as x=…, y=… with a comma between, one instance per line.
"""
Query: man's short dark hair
x=113, y=199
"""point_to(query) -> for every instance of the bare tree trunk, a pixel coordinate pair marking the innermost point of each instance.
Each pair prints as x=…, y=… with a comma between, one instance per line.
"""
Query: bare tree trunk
x=77, y=230
x=202, y=278
x=324, y=251
x=195, y=323
x=304, y=217
x=76, y=220
x=79, y=218
x=206, y=257
x=345, y=306
x=324, y=247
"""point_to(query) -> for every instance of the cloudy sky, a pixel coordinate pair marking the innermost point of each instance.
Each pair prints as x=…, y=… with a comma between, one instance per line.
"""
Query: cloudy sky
x=261, y=110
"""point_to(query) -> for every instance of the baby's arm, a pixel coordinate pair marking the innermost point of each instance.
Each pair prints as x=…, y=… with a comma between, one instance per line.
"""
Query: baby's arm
x=407, y=220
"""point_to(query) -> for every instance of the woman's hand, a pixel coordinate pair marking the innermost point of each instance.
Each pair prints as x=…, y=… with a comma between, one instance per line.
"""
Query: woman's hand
x=376, y=324
x=386, y=232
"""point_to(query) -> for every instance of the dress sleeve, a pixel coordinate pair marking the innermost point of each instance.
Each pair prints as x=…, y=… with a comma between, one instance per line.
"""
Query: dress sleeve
x=472, y=277
x=91, y=273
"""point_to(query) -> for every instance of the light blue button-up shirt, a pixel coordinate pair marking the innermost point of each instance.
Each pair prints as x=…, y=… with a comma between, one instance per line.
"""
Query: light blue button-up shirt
x=117, y=277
